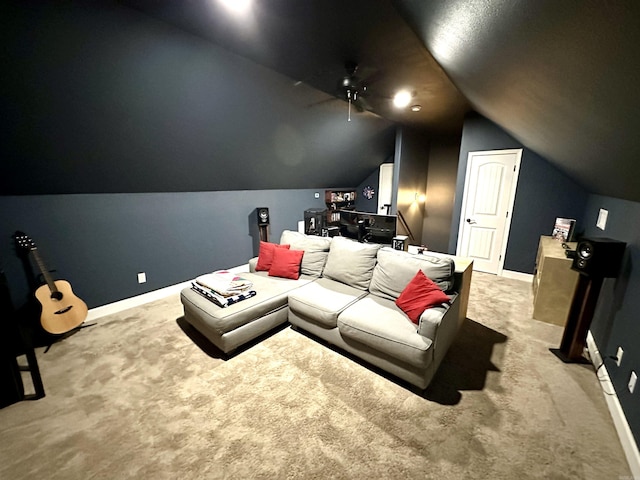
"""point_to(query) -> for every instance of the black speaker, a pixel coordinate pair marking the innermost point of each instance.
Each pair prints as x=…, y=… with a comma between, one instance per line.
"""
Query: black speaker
x=598, y=257
x=263, y=216
x=315, y=219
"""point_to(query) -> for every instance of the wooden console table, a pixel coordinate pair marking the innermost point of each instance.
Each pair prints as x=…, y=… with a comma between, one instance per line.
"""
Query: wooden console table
x=554, y=283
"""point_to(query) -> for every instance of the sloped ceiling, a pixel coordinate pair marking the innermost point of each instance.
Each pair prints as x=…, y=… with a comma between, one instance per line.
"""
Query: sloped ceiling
x=561, y=77
x=101, y=98
x=310, y=41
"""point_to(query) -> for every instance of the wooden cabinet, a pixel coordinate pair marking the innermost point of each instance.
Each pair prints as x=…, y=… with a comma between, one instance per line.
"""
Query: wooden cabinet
x=554, y=282
x=338, y=200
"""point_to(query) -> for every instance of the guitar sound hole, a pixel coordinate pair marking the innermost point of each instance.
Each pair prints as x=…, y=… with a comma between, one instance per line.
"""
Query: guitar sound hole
x=56, y=296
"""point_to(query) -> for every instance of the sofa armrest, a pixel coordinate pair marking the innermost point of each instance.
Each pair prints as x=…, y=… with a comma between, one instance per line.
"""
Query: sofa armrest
x=252, y=264
x=430, y=321
x=441, y=324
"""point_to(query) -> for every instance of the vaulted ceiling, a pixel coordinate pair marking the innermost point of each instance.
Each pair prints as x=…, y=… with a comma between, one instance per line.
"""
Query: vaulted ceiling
x=310, y=41
x=560, y=77
x=152, y=95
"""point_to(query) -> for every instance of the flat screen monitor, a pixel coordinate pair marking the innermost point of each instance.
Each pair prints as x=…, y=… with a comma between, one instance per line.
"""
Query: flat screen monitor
x=379, y=228
x=349, y=226
x=368, y=227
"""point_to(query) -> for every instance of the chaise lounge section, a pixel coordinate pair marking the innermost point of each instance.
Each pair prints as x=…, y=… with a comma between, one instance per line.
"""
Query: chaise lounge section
x=230, y=327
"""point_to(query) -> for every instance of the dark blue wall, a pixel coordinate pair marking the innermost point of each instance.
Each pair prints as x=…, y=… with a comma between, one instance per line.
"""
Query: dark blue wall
x=100, y=241
x=364, y=204
x=616, y=321
x=102, y=106
x=100, y=98
x=543, y=193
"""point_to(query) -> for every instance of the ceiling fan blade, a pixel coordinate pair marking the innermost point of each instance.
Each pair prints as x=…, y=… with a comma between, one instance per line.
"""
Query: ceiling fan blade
x=370, y=75
x=361, y=104
x=322, y=102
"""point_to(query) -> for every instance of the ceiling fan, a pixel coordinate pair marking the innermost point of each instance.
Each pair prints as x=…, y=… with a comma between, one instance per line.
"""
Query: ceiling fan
x=353, y=89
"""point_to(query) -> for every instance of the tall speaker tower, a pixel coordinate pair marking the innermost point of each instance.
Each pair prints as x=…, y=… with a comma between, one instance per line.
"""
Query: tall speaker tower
x=595, y=260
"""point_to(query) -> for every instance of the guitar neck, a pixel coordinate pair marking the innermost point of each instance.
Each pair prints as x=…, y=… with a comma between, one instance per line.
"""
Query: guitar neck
x=43, y=270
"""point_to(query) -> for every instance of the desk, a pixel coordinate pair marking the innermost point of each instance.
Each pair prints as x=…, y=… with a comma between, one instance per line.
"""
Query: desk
x=554, y=282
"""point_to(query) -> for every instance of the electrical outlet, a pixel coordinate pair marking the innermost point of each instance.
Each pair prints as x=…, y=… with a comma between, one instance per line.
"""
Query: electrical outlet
x=142, y=277
x=316, y=195
x=632, y=381
x=619, y=356
x=601, y=223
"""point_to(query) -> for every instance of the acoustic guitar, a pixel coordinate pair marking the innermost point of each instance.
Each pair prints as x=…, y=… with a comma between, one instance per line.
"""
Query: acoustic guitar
x=62, y=311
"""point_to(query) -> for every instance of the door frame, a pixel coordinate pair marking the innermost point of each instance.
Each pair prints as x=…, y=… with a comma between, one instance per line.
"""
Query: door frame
x=512, y=197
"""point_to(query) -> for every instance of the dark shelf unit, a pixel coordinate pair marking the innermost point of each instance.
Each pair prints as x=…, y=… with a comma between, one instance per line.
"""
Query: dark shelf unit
x=337, y=200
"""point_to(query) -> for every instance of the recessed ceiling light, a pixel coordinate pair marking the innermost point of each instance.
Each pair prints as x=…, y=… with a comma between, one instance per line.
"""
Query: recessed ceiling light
x=237, y=6
x=402, y=98
x=416, y=108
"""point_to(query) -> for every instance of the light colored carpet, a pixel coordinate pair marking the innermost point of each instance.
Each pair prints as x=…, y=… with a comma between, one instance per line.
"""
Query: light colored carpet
x=137, y=397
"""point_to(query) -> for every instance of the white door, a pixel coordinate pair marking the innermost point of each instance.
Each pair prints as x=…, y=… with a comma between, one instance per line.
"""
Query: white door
x=489, y=192
x=385, y=188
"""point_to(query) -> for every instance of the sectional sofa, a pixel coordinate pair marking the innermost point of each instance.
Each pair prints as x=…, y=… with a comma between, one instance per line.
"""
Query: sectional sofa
x=346, y=294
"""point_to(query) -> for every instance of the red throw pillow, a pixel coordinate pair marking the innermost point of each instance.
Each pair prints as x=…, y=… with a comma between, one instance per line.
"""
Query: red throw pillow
x=420, y=294
x=265, y=256
x=286, y=263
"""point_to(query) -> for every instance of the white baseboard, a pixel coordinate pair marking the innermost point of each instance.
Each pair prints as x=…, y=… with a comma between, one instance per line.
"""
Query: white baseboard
x=525, y=277
x=117, y=307
x=615, y=409
x=127, y=303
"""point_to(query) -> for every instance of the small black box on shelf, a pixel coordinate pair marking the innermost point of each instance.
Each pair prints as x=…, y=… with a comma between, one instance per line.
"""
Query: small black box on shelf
x=400, y=242
x=314, y=220
x=332, y=231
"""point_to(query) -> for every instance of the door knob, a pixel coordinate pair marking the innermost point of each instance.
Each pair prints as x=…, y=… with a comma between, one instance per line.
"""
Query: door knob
x=471, y=221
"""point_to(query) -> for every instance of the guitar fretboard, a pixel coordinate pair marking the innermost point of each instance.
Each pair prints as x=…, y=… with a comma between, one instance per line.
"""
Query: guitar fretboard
x=43, y=270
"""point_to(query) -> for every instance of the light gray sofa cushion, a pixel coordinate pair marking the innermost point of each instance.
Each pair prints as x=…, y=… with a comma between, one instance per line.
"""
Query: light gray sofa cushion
x=395, y=269
x=271, y=294
x=323, y=300
x=252, y=264
x=351, y=262
x=379, y=324
x=316, y=250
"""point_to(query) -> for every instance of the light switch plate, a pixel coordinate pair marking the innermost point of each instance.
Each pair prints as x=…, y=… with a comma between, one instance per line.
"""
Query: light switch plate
x=619, y=356
x=632, y=381
x=602, y=219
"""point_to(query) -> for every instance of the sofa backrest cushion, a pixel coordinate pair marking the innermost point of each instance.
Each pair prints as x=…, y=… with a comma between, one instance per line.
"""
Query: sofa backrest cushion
x=395, y=269
x=316, y=250
x=351, y=262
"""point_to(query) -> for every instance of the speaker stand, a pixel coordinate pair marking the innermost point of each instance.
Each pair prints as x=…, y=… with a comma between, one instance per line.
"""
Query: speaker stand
x=583, y=307
x=264, y=233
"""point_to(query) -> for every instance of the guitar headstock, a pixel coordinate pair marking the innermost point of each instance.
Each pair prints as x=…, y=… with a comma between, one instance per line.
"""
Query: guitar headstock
x=24, y=242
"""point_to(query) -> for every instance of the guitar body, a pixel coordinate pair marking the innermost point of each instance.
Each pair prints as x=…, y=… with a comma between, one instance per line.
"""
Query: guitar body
x=62, y=311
